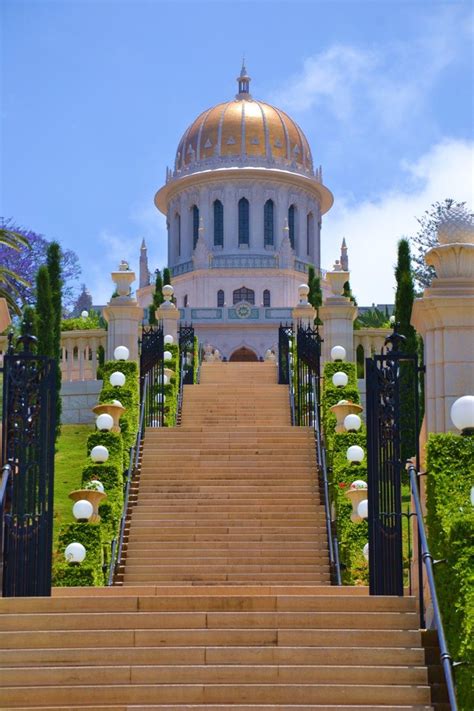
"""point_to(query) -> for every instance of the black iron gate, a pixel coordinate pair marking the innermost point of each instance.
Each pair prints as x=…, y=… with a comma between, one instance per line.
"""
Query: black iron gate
x=308, y=372
x=152, y=369
x=186, y=353
x=28, y=436
x=285, y=336
x=391, y=378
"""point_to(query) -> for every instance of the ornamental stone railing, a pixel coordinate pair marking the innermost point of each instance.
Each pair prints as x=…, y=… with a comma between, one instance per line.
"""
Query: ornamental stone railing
x=79, y=353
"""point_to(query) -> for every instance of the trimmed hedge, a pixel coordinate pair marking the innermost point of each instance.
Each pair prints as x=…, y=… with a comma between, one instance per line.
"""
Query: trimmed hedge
x=331, y=394
x=97, y=538
x=90, y=571
x=450, y=522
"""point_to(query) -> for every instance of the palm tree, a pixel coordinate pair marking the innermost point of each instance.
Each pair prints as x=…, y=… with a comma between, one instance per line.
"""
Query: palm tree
x=8, y=289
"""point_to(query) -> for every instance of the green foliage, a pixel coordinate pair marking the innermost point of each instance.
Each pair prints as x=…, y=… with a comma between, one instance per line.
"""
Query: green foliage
x=90, y=571
x=128, y=395
x=450, y=521
x=372, y=318
x=93, y=321
x=29, y=324
x=166, y=276
x=404, y=298
x=332, y=394
x=45, y=314
x=157, y=298
x=347, y=292
x=53, y=260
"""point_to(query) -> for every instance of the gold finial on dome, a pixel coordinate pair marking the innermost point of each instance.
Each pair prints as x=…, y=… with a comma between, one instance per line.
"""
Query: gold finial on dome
x=243, y=81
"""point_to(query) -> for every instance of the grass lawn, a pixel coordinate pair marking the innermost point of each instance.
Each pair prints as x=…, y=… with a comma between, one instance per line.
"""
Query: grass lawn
x=71, y=457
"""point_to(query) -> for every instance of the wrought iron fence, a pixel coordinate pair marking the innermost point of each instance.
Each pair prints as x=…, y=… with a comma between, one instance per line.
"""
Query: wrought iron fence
x=29, y=422
x=152, y=367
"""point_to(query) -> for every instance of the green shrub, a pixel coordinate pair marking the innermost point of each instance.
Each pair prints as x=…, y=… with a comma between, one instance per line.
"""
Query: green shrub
x=331, y=394
x=90, y=571
x=450, y=521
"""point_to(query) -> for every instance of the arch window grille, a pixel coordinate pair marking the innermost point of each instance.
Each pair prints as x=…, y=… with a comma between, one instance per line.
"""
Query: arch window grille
x=244, y=225
x=266, y=298
x=268, y=224
x=177, y=219
x=195, y=211
x=220, y=298
x=309, y=231
x=218, y=224
x=291, y=224
x=243, y=294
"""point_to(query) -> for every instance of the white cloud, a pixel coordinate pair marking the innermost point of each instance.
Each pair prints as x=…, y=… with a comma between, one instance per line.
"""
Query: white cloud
x=373, y=227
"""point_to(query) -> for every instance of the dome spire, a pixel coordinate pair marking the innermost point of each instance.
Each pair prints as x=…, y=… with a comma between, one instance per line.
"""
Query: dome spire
x=243, y=81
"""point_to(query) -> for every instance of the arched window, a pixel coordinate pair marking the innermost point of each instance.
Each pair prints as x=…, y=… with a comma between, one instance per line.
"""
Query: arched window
x=244, y=211
x=266, y=297
x=309, y=231
x=185, y=300
x=291, y=224
x=243, y=294
x=220, y=298
x=177, y=219
x=268, y=224
x=195, y=211
x=218, y=223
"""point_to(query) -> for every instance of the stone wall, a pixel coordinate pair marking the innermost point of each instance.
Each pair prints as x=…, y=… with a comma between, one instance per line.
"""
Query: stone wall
x=79, y=397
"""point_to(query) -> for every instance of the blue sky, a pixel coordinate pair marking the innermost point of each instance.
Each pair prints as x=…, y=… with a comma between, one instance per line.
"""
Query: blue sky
x=96, y=94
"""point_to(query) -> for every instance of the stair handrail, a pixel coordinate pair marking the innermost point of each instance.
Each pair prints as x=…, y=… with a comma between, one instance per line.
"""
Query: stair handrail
x=117, y=543
x=427, y=558
x=181, y=386
x=291, y=388
x=333, y=543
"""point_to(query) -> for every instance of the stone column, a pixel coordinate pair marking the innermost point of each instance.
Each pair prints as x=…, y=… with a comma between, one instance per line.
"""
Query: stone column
x=303, y=313
x=444, y=317
x=123, y=315
x=338, y=313
x=168, y=314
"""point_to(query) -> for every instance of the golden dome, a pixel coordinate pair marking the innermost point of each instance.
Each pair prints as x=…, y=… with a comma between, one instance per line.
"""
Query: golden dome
x=243, y=132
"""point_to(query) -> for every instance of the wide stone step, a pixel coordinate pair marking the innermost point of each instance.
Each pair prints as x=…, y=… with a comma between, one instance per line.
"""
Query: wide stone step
x=216, y=693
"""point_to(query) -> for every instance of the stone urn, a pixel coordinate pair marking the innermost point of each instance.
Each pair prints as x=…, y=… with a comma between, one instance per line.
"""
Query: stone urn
x=122, y=279
x=94, y=497
x=356, y=493
x=169, y=373
x=341, y=410
x=108, y=408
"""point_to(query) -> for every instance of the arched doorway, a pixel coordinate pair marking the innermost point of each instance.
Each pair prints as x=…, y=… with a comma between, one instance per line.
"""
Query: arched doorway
x=243, y=354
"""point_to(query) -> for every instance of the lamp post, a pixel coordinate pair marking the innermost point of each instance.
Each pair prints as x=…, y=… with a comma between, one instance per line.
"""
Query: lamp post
x=462, y=414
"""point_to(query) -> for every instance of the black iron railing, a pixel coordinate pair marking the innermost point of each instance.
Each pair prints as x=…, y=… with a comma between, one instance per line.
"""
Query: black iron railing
x=117, y=543
x=322, y=466
x=4, y=488
x=427, y=559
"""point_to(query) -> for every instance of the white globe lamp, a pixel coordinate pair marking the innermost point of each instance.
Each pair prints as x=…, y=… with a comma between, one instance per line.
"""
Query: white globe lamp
x=352, y=423
x=462, y=414
x=338, y=353
x=340, y=379
x=121, y=353
x=169, y=340
x=167, y=355
x=117, y=403
x=104, y=422
x=165, y=379
x=99, y=454
x=365, y=551
x=117, y=379
x=363, y=508
x=75, y=553
x=84, y=314
x=82, y=510
x=355, y=454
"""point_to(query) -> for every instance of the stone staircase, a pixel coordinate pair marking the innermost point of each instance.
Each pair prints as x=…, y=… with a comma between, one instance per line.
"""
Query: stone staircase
x=225, y=599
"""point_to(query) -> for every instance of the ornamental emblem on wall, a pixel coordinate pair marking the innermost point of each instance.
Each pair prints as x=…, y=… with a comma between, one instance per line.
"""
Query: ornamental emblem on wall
x=243, y=310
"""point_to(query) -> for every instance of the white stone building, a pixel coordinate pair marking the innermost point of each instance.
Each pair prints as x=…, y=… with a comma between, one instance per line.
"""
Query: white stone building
x=244, y=206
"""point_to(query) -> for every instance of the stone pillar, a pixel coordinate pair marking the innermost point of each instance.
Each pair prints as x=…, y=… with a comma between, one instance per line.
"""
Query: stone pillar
x=5, y=320
x=444, y=317
x=303, y=313
x=338, y=313
x=123, y=314
x=168, y=313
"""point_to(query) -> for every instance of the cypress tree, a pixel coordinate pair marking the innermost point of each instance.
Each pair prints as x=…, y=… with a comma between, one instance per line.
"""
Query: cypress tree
x=404, y=298
x=315, y=296
x=157, y=298
x=166, y=276
x=29, y=324
x=54, y=270
x=44, y=312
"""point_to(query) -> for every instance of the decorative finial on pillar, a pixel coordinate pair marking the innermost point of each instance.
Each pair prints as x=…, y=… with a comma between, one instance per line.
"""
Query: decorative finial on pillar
x=144, y=272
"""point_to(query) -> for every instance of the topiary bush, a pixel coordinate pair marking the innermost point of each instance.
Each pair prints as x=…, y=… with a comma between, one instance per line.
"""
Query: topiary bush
x=450, y=522
x=331, y=394
x=89, y=572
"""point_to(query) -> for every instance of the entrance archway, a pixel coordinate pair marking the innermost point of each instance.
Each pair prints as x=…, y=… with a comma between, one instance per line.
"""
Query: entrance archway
x=243, y=354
